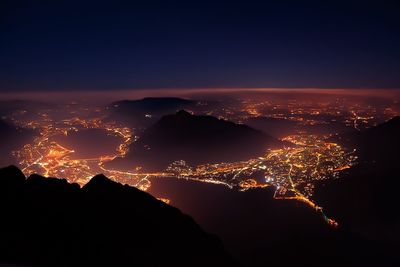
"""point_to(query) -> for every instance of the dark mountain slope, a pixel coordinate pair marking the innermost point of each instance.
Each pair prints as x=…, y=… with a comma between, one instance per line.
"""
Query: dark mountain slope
x=262, y=231
x=197, y=140
x=12, y=138
x=49, y=222
x=276, y=127
x=379, y=144
x=366, y=198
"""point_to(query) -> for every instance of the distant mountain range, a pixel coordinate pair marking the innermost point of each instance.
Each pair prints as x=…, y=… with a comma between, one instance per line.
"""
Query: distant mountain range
x=49, y=222
x=197, y=140
x=144, y=112
x=29, y=108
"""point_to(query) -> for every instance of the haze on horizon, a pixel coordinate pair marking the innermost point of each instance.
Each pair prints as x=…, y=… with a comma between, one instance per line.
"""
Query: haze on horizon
x=105, y=97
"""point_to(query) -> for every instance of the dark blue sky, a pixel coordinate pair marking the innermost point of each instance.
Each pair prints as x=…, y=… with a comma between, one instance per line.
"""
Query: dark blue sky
x=57, y=45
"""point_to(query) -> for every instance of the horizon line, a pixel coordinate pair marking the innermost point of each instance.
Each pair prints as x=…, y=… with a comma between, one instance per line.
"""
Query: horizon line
x=185, y=92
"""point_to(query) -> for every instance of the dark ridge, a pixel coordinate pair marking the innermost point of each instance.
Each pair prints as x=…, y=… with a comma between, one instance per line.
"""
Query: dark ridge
x=391, y=127
x=12, y=138
x=100, y=182
x=366, y=198
x=276, y=127
x=50, y=222
x=377, y=144
x=197, y=140
x=183, y=114
x=7, y=107
x=133, y=112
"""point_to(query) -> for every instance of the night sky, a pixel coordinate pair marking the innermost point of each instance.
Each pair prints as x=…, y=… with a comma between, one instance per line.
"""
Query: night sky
x=64, y=45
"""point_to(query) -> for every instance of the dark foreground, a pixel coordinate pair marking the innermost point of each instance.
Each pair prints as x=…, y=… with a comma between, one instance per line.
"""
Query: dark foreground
x=49, y=222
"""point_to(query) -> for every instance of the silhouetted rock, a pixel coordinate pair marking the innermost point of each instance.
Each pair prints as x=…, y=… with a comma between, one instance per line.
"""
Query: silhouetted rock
x=49, y=222
x=197, y=140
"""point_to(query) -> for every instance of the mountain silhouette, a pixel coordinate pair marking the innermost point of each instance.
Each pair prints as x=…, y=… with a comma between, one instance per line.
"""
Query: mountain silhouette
x=378, y=144
x=12, y=138
x=50, y=222
x=144, y=112
x=262, y=231
x=197, y=140
x=366, y=197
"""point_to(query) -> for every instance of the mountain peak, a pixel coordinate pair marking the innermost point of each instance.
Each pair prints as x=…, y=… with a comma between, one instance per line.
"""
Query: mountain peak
x=183, y=113
x=136, y=112
x=98, y=182
x=387, y=127
x=394, y=120
x=378, y=144
x=11, y=176
x=176, y=136
x=114, y=224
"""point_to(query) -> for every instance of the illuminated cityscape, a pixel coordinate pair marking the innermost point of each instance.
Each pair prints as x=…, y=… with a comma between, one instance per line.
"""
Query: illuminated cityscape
x=291, y=170
x=199, y=133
